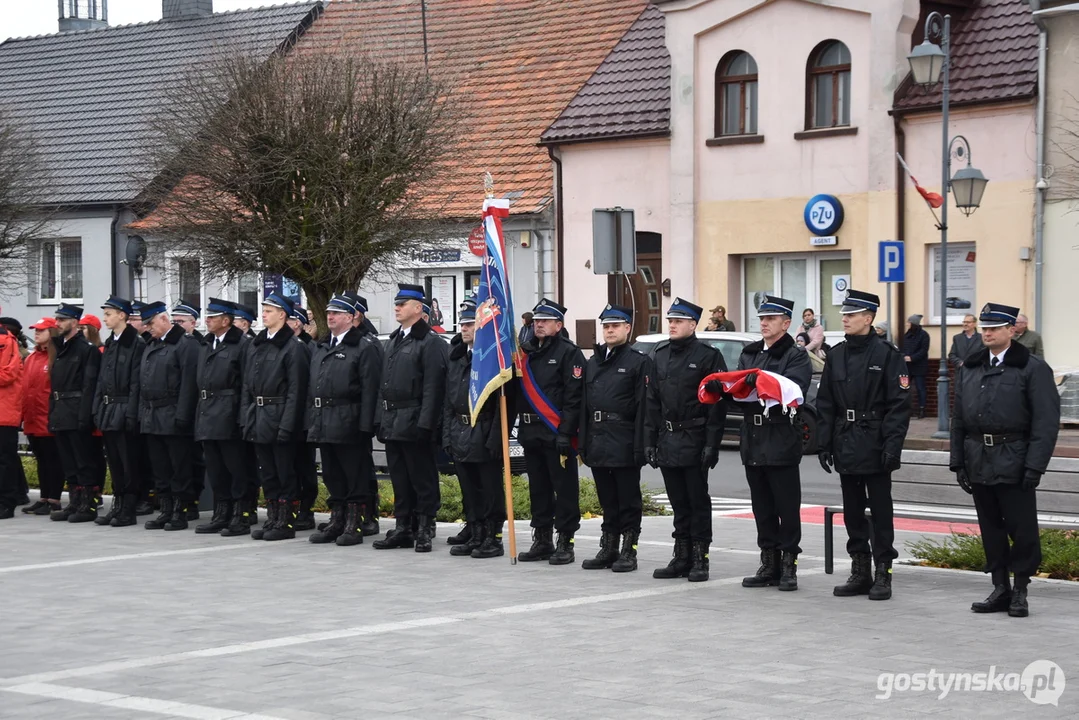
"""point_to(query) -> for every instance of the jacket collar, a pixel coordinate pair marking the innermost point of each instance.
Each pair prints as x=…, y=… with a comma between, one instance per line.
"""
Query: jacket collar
x=351, y=338
x=458, y=350
x=418, y=332
x=232, y=336
x=1017, y=356
x=127, y=338
x=279, y=340
x=780, y=346
x=174, y=334
x=600, y=352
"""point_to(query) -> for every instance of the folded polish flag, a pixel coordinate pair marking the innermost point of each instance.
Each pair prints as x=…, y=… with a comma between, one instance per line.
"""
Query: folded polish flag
x=769, y=390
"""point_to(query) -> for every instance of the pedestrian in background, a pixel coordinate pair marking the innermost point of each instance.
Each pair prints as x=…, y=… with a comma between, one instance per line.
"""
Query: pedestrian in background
x=11, y=400
x=719, y=321
x=527, y=332
x=915, y=351
x=37, y=390
x=814, y=332
x=965, y=343
x=1026, y=337
x=13, y=326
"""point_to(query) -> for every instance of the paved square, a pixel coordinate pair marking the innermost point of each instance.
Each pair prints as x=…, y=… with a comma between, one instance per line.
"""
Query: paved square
x=110, y=623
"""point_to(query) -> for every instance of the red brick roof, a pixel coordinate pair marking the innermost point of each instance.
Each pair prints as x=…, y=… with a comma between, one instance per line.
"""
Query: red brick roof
x=629, y=95
x=994, y=58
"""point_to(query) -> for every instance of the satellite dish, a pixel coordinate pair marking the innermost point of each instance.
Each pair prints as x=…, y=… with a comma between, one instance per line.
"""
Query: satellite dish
x=135, y=254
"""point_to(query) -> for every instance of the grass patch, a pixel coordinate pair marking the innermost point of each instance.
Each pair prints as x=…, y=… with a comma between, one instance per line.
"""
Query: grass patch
x=963, y=551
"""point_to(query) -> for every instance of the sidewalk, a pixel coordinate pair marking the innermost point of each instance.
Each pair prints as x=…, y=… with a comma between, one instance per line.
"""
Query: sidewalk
x=920, y=437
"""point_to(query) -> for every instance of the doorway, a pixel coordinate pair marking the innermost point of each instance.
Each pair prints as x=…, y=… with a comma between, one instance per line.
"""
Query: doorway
x=642, y=291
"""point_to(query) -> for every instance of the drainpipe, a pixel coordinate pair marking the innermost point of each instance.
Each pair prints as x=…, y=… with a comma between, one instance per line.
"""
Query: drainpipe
x=900, y=223
x=112, y=247
x=559, y=223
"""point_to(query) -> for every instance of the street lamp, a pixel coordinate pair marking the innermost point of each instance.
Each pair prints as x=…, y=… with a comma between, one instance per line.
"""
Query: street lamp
x=928, y=63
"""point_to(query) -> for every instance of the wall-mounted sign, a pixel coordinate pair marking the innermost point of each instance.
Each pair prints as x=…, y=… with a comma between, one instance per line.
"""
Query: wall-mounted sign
x=477, y=241
x=434, y=257
x=823, y=215
x=840, y=286
x=825, y=240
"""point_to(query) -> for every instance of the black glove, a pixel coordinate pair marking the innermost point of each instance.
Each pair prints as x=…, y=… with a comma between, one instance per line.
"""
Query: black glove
x=709, y=458
x=565, y=446
x=1031, y=479
x=651, y=456
x=751, y=379
x=890, y=462
x=284, y=436
x=963, y=479
x=423, y=436
x=825, y=458
x=131, y=424
x=715, y=387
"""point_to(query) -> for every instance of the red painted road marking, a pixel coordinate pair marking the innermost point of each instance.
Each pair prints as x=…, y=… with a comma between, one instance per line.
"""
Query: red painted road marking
x=815, y=515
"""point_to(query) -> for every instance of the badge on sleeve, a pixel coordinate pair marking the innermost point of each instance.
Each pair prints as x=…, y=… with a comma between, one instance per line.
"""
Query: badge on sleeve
x=577, y=372
x=904, y=382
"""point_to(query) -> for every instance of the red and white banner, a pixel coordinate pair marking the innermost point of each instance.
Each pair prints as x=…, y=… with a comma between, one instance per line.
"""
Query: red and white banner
x=769, y=389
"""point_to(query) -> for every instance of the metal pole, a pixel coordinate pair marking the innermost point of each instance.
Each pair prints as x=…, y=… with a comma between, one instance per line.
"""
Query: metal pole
x=618, y=256
x=890, y=334
x=946, y=174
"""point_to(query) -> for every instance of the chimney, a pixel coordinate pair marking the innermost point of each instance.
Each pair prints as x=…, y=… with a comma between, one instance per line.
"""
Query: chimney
x=83, y=14
x=175, y=9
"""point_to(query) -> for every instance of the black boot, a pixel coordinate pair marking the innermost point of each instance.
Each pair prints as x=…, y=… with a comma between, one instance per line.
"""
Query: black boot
x=331, y=530
x=768, y=573
x=271, y=520
x=114, y=511
x=68, y=510
x=242, y=510
x=882, y=583
x=89, y=499
x=861, y=577
x=475, y=540
x=492, y=542
x=679, y=565
x=350, y=534
x=126, y=516
x=788, y=579
x=999, y=600
x=608, y=553
x=305, y=520
x=432, y=527
x=423, y=534
x=181, y=508
x=698, y=572
x=1018, y=606
x=563, y=554
x=369, y=526
x=400, y=537
x=462, y=537
x=218, y=521
x=542, y=547
x=143, y=507
x=627, y=559
x=191, y=512
x=163, y=517
x=285, y=527
x=37, y=507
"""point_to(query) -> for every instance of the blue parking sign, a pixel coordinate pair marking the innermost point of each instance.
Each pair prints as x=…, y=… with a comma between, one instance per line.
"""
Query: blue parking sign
x=890, y=262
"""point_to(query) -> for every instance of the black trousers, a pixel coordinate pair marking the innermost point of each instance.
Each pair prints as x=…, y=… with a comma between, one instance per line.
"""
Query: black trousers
x=687, y=490
x=554, y=490
x=277, y=470
x=198, y=471
x=172, y=463
x=414, y=474
x=1009, y=511
x=369, y=478
x=231, y=476
x=919, y=387
x=481, y=483
x=10, y=466
x=619, y=491
x=876, y=490
x=346, y=469
x=306, y=475
x=50, y=474
x=76, y=450
x=121, y=449
x=776, y=494
x=253, y=462
x=21, y=486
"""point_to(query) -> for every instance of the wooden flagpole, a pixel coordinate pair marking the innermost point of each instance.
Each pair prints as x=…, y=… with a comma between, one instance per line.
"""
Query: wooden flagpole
x=507, y=476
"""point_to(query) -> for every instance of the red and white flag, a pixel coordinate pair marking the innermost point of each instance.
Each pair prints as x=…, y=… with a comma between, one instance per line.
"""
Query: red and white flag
x=933, y=199
x=769, y=390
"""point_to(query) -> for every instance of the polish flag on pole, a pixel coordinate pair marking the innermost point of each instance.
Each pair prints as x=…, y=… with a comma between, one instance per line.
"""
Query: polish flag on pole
x=769, y=389
x=933, y=199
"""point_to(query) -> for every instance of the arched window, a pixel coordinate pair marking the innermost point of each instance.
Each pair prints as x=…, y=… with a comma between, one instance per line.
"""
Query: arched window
x=828, y=86
x=736, y=94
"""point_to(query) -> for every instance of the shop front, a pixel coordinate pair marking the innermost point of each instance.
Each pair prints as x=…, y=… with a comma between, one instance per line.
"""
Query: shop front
x=812, y=280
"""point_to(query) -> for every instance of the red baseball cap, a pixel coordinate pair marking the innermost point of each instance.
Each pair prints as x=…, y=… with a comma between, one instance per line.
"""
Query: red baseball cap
x=90, y=320
x=45, y=323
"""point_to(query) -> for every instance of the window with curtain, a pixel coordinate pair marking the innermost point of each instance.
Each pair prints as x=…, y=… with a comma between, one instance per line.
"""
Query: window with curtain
x=736, y=94
x=828, y=84
x=60, y=277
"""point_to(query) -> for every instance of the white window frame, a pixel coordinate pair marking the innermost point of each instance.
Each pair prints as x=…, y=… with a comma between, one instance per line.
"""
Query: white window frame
x=932, y=312
x=60, y=297
x=172, y=282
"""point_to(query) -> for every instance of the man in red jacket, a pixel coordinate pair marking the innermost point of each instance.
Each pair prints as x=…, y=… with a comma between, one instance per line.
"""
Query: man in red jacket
x=10, y=418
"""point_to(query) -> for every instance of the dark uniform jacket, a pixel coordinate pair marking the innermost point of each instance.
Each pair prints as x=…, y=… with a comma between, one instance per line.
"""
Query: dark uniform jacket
x=116, y=402
x=413, y=385
x=865, y=377
x=275, y=388
x=167, y=389
x=482, y=443
x=1017, y=399
x=772, y=439
x=963, y=347
x=558, y=368
x=612, y=421
x=343, y=389
x=677, y=424
x=74, y=380
x=220, y=382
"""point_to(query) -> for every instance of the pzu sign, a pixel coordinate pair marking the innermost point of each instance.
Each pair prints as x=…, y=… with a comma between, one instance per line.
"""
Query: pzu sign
x=823, y=214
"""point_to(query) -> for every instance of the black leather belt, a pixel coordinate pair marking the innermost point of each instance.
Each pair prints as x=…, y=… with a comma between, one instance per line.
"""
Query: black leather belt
x=991, y=440
x=321, y=402
x=66, y=395
x=164, y=402
x=599, y=416
x=529, y=418
x=465, y=419
x=768, y=419
x=207, y=394
x=684, y=424
x=387, y=405
x=110, y=399
x=856, y=415
x=263, y=400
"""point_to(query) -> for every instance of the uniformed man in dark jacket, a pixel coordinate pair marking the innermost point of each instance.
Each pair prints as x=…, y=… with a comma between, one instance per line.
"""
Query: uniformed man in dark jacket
x=168, y=394
x=612, y=437
x=146, y=486
x=244, y=319
x=863, y=409
x=217, y=422
x=274, y=397
x=771, y=447
x=116, y=411
x=341, y=409
x=476, y=450
x=1004, y=429
x=306, y=467
x=187, y=317
x=74, y=375
x=411, y=396
x=551, y=394
x=370, y=483
x=682, y=437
